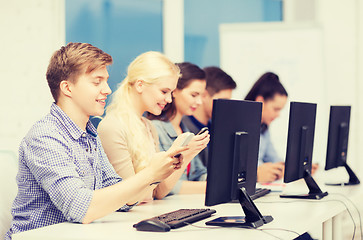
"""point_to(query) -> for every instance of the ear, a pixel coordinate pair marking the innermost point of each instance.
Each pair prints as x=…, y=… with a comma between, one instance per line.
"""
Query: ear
x=139, y=85
x=65, y=88
x=206, y=94
x=259, y=98
x=175, y=92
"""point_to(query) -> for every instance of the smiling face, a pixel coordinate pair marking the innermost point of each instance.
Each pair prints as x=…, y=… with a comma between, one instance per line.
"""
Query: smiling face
x=155, y=96
x=90, y=91
x=189, y=98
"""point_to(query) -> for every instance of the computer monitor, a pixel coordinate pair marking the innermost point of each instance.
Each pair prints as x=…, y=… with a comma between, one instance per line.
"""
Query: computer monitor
x=299, y=152
x=337, y=149
x=232, y=160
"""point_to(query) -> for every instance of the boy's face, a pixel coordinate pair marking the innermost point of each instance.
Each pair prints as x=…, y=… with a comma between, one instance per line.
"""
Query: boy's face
x=90, y=91
x=208, y=99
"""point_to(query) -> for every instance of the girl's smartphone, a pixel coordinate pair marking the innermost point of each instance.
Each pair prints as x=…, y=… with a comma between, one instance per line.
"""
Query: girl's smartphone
x=202, y=130
x=188, y=137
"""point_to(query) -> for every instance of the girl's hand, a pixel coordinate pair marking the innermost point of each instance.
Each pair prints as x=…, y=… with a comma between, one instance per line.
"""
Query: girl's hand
x=196, y=145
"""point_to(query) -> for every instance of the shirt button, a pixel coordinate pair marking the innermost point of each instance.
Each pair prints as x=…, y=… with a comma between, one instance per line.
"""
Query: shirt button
x=83, y=134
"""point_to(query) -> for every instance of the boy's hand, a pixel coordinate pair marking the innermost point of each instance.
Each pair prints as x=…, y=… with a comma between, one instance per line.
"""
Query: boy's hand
x=164, y=163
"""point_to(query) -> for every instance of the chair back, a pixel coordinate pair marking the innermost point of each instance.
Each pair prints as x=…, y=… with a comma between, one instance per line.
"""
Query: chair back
x=8, y=188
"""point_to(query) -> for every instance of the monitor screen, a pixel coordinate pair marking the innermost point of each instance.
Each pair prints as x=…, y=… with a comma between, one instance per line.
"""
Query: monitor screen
x=232, y=158
x=338, y=136
x=299, y=152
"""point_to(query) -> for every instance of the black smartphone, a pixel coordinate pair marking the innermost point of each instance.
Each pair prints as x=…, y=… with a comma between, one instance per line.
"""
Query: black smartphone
x=202, y=130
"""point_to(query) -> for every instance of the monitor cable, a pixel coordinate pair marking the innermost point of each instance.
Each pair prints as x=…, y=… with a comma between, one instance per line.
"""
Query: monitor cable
x=264, y=230
x=356, y=208
x=332, y=200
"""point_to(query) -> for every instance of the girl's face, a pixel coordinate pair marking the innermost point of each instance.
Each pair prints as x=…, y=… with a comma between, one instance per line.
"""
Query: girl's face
x=156, y=96
x=189, y=98
x=271, y=108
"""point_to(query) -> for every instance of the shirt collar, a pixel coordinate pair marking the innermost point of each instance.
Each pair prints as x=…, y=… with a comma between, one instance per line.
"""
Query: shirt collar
x=74, y=130
x=264, y=128
x=91, y=129
x=171, y=131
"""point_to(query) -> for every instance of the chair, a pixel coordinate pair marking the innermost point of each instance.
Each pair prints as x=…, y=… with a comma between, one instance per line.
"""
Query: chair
x=8, y=188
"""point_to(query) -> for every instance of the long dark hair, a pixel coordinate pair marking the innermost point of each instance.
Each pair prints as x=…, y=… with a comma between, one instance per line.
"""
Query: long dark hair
x=266, y=86
x=189, y=72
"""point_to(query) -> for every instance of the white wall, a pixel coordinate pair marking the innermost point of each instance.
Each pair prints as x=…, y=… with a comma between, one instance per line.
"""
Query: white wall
x=292, y=51
x=173, y=29
x=31, y=30
x=341, y=25
x=359, y=77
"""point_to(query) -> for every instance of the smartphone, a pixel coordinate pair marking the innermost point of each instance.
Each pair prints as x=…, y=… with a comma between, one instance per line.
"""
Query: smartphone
x=186, y=141
x=202, y=130
x=187, y=138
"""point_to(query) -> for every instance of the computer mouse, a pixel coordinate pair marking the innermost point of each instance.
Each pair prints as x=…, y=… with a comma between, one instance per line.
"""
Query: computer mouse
x=152, y=225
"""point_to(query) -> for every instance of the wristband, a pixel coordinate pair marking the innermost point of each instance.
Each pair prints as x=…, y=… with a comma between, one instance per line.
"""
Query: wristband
x=131, y=205
x=154, y=183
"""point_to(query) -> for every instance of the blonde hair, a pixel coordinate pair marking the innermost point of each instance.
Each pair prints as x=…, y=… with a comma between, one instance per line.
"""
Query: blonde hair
x=150, y=67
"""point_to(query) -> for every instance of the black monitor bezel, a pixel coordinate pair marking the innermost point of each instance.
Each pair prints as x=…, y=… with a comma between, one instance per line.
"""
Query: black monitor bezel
x=299, y=151
x=234, y=116
x=338, y=115
x=301, y=115
x=232, y=163
x=337, y=147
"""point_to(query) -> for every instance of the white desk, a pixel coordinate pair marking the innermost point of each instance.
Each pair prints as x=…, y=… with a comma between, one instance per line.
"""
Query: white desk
x=297, y=216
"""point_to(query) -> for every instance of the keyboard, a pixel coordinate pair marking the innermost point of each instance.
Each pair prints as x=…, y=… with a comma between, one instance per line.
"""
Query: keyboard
x=181, y=217
x=260, y=192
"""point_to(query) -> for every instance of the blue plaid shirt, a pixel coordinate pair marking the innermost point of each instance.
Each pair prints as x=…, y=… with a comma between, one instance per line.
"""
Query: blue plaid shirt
x=60, y=166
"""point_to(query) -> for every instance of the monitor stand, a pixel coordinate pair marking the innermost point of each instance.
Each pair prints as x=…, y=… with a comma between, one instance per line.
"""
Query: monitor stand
x=314, y=190
x=353, y=179
x=253, y=218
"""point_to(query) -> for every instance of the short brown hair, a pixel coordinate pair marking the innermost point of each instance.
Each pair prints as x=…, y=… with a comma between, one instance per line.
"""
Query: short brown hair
x=218, y=80
x=69, y=62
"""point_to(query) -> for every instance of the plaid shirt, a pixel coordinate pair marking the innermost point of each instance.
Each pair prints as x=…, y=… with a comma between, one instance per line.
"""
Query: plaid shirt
x=60, y=166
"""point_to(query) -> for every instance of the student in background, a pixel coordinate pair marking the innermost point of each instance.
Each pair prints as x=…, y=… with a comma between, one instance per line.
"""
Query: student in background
x=187, y=97
x=64, y=174
x=219, y=85
x=268, y=90
x=129, y=139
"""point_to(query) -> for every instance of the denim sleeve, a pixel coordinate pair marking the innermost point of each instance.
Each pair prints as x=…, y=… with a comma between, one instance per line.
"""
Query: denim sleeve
x=270, y=152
